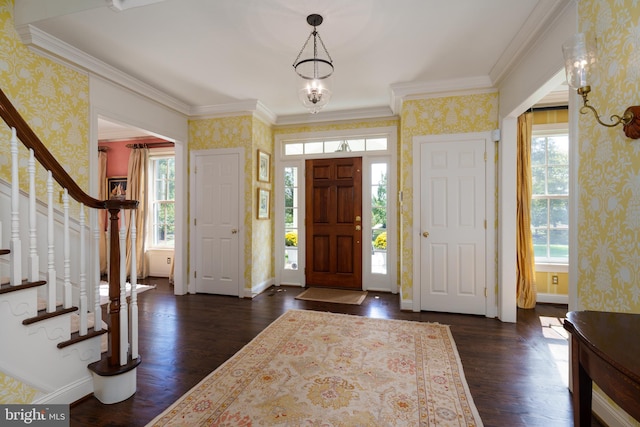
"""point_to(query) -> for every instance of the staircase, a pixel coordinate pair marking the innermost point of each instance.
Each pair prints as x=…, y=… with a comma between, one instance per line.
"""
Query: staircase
x=56, y=348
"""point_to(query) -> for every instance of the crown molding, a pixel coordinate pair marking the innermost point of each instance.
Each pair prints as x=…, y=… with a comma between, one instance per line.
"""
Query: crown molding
x=334, y=116
x=232, y=109
x=120, y=5
x=419, y=90
x=61, y=52
x=540, y=20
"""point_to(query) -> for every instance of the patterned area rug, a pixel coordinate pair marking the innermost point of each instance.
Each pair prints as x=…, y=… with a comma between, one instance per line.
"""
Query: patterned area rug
x=321, y=369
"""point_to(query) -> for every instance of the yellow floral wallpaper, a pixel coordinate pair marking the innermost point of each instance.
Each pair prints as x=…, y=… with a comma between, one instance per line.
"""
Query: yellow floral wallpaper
x=326, y=127
x=13, y=391
x=434, y=116
x=53, y=99
x=251, y=134
x=229, y=132
x=262, y=260
x=609, y=172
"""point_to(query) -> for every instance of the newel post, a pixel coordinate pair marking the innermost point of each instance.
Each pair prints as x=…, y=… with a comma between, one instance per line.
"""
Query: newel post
x=113, y=308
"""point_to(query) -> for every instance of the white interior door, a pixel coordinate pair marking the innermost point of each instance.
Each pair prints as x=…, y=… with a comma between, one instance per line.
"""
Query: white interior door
x=216, y=224
x=452, y=226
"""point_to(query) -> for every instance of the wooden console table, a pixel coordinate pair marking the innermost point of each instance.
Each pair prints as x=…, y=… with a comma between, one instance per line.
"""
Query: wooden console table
x=605, y=349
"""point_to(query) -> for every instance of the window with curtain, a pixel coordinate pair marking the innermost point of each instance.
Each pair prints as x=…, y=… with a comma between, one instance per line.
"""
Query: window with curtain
x=550, y=195
x=161, y=201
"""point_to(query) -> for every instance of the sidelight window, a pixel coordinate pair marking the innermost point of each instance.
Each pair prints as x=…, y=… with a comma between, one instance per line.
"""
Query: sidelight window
x=379, y=218
x=291, y=211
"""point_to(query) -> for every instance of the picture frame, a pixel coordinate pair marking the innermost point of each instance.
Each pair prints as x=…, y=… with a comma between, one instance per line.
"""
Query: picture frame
x=264, y=201
x=264, y=166
x=116, y=187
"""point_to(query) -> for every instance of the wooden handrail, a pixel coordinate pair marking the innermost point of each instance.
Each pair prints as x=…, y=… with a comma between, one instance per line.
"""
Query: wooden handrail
x=30, y=140
x=26, y=135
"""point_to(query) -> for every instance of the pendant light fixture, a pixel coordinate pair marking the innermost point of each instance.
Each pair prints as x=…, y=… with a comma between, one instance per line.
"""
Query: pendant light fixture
x=315, y=69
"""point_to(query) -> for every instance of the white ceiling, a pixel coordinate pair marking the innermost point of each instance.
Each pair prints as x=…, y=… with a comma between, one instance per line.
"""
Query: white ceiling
x=209, y=56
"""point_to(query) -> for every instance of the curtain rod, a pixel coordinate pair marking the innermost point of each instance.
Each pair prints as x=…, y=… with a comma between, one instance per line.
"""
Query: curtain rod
x=152, y=145
x=550, y=108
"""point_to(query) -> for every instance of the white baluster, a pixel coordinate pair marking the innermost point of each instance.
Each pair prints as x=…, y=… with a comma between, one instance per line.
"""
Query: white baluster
x=124, y=324
x=15, y=274
x=66, y=242
x=83, y=276
x=51, y=268
x=97, y=311
x=34, y=260
x=134, y=285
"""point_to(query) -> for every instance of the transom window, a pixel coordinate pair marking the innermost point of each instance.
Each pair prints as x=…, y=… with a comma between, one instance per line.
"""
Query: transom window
x=298, y=148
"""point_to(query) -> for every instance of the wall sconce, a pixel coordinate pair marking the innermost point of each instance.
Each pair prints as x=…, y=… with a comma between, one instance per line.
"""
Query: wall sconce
x=580, y=59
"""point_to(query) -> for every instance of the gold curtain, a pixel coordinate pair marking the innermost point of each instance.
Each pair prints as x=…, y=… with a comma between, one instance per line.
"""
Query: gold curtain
x=137, y=190
x=526, y=290
x=102, y=215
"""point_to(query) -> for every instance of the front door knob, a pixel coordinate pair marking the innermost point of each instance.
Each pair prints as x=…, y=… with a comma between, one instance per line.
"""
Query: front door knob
x=425, y=234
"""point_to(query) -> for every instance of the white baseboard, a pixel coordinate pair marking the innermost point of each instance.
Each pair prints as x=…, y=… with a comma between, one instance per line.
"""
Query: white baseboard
x=259, y=288
x=552, y=298
x=69, y=393
x=406, y=304
x=610, y=415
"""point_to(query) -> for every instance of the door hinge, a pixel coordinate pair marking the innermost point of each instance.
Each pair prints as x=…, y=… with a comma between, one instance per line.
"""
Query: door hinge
x=485, y=224
x=195, y=221
x=486, y=293
x=195, y=274
x=485, y=156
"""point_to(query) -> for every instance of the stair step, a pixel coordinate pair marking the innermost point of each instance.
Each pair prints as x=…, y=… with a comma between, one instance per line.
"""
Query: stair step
x=5, y=288
x=76, y=338
x=103, y=368
x=43, y=315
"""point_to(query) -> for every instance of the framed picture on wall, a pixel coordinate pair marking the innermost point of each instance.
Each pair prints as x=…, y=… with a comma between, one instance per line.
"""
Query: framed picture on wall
x=116, y=187
x=263, y=203
x=264, y=166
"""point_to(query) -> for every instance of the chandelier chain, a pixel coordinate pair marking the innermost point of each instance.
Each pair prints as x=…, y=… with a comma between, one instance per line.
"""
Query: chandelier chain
x=302, y=49
x=325, y=49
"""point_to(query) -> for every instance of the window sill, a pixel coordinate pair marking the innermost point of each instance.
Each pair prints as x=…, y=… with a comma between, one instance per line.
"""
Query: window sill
x=552, y=268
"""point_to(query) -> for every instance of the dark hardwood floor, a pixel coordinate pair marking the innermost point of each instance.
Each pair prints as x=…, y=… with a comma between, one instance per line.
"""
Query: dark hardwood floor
x=516, y=372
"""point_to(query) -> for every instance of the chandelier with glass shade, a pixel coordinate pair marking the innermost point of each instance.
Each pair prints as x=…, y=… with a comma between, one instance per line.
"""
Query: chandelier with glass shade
x=315, y=67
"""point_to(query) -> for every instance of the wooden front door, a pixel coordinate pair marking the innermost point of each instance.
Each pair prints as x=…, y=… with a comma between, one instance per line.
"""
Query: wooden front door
x=334, y=223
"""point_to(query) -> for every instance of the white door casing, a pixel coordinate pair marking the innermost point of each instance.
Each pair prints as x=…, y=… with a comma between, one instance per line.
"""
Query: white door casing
x=216, y=225
x=451, y=258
